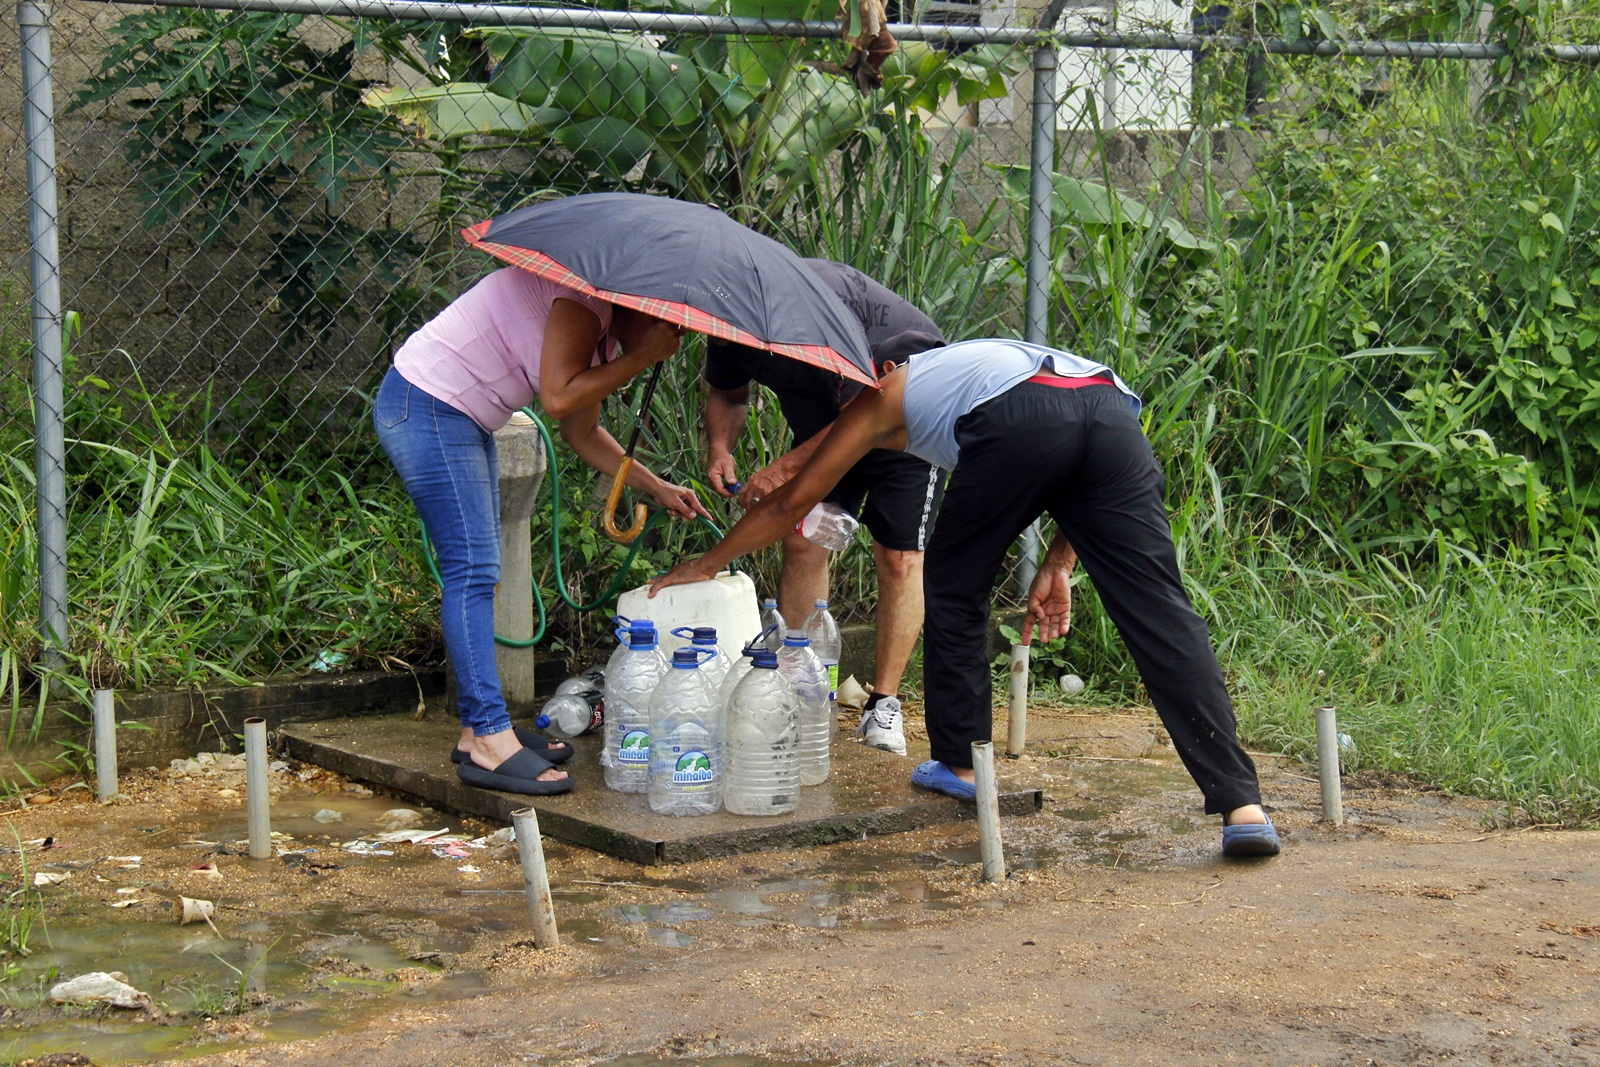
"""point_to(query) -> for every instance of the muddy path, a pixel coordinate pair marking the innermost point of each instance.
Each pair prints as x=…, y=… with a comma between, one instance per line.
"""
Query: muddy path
x=1414, y=935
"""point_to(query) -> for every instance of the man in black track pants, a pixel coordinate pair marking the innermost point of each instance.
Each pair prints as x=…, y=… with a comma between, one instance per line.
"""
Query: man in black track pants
x=1027, y=430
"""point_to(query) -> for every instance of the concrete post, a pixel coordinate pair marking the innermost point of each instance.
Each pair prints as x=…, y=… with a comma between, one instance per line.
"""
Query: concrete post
x=522, y=465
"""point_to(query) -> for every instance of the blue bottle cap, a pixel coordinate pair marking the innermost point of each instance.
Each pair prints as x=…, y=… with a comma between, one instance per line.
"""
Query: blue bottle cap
x=686, y=659
x=642, y=637
x=542, y=722
x=764, y=657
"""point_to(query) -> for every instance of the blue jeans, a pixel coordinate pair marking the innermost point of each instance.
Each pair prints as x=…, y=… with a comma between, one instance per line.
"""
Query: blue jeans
x=448, y=465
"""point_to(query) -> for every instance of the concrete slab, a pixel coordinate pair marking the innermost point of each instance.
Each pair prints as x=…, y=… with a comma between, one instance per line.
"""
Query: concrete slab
x=869, y=793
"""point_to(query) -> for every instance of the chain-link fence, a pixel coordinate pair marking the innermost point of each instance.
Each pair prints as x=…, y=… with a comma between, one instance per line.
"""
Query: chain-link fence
x=1321, y=261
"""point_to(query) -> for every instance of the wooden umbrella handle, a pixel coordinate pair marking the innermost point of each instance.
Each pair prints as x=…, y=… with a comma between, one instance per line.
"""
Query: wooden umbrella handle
x=640, y=512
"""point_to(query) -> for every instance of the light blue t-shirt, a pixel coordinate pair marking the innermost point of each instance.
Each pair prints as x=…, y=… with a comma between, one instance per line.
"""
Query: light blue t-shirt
x=943, y=384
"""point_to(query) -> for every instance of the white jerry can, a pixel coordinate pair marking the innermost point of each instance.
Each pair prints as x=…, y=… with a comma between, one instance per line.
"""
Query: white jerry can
x=727, y=602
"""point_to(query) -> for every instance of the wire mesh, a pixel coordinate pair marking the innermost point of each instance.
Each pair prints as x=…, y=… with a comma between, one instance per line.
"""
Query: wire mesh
x=1316, y=268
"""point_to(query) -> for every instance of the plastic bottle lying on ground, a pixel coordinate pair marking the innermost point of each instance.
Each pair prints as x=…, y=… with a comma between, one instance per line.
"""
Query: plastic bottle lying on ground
x=571, y=714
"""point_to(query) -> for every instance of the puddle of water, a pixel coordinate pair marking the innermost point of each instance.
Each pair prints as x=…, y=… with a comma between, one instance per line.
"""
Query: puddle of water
x=741, y=901
x=668, y=938
x=185, y=969
x=293, y=813
x=102, y=1042
x=676, y=912
x=1018, y=857
x=1078, y=813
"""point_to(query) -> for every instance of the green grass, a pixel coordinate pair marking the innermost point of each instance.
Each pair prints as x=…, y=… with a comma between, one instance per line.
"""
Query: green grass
x=1473, y=675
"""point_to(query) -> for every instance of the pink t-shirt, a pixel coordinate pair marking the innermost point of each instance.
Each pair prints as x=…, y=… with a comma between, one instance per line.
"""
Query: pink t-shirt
x=481, y=354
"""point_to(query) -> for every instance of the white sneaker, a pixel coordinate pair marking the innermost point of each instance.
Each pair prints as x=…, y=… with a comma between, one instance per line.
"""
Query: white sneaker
x=884, y=727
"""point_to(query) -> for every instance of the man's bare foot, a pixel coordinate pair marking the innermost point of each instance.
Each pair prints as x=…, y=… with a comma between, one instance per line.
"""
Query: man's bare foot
x=491, y=750
x=966, y=774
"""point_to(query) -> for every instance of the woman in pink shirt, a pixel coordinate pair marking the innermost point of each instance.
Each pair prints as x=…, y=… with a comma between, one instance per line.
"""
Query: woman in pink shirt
x=512, y=337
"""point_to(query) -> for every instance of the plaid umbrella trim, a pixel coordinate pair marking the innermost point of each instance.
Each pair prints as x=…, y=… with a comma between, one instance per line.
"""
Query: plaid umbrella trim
x=685, y=315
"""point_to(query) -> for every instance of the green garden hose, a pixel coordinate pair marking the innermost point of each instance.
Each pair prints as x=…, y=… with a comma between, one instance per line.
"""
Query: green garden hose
x=555, y=546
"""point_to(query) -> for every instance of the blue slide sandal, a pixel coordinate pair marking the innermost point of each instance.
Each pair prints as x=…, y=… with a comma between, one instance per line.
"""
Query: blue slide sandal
x=1250, y=839
x=941, y=779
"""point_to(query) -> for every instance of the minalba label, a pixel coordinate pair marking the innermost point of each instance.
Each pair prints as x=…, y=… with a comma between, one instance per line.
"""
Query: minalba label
x=693, y=769
x=635, y=748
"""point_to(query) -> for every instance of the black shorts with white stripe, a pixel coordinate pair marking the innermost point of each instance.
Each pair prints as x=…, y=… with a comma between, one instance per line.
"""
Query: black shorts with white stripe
x=895, y=495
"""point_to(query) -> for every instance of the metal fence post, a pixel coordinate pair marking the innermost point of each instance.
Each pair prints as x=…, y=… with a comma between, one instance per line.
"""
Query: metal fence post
x=1041, y=164
x=49, y=450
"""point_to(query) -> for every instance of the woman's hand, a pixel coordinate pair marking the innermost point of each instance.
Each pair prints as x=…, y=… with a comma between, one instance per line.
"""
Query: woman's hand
x=690, y=570
x=681, y=501
x=656, y=343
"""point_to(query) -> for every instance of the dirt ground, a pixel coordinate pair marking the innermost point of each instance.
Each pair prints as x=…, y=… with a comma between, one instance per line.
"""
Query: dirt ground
x=1412, y=935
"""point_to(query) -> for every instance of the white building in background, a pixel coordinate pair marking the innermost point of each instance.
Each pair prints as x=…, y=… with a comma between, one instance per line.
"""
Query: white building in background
x=1129, y=89
x=1112, y=88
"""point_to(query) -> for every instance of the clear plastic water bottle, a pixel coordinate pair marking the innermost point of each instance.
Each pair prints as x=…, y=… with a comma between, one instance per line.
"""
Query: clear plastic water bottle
x=828, y=525
x=631, y=678
x=772, y=624
x=685, y=749
x=715, y=665
x=825, y=642
x=761, y=745
x=740, y=668
x=571, y=714
x=803, y=671
x=574, y=684
x=623, y=626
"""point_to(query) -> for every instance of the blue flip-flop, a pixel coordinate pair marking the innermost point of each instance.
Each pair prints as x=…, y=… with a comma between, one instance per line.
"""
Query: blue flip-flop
x=941, y=779
x=1250, y=839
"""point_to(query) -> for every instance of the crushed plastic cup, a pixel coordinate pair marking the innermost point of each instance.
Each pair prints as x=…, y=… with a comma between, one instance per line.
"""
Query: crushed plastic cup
x=192, y=910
